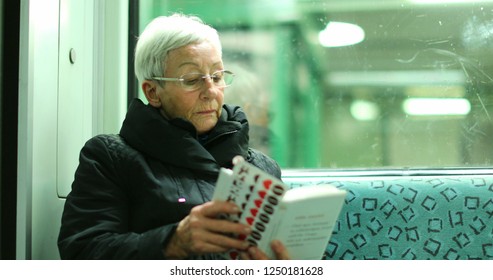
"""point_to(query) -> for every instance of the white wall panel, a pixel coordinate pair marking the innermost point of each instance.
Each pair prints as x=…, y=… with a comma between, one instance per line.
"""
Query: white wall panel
x=115, y=60
x=75, y=86
x=39, y=209
x=93, y=88
x=62, y=104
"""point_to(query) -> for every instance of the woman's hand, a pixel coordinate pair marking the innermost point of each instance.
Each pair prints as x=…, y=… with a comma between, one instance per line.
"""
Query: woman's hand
x=254, y=253
x=201, y=232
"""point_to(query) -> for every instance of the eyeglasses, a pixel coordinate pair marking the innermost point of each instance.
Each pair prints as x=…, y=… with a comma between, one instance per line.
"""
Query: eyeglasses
x=195, y=81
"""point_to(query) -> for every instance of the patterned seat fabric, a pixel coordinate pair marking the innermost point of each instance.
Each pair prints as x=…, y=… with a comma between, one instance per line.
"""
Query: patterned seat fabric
x=412, y=218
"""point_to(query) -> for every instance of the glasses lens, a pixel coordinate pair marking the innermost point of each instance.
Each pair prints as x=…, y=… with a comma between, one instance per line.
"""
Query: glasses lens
x=195, y=81
x=222, y=78
x=192, y=81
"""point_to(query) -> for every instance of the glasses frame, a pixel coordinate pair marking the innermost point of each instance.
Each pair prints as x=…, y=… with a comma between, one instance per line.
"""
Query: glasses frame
x=203, y=77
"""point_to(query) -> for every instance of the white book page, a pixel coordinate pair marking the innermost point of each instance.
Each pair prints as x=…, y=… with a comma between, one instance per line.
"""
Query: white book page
x=309, y=215
x=223, y=185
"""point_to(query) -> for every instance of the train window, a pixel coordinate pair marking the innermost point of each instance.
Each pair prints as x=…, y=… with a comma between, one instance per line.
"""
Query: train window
x=357, y=83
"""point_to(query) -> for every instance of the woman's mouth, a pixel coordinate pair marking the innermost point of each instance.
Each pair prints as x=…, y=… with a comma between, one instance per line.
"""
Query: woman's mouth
x=206, y=112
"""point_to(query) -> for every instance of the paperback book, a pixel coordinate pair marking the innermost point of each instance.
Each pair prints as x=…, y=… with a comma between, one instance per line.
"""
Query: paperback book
x=301, y=218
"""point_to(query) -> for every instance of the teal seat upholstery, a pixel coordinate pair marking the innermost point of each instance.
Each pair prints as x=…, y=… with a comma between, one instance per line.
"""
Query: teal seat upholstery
x=411, y=217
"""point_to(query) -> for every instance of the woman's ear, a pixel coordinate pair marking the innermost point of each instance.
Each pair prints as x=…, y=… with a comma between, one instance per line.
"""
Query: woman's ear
x=150, y=91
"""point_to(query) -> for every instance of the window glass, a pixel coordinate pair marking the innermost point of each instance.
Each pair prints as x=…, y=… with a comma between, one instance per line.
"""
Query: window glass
x=358, y=83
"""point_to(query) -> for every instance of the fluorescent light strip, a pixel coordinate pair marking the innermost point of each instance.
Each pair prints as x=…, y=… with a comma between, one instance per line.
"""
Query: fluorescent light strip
x=436, y=106
x=396, y=78
x=424, y=2
x=339, y=34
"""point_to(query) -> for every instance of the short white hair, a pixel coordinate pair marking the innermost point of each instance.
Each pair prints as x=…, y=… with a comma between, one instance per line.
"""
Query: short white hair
x=167, y=33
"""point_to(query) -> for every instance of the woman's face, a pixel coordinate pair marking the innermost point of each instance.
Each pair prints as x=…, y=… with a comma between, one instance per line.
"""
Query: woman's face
x=203, y=106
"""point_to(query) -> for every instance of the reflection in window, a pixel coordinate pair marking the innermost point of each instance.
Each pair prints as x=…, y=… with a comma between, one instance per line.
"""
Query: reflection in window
x=415, y=90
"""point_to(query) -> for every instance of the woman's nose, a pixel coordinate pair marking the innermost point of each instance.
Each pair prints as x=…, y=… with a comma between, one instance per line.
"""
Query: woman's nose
x=209, y=89
x=208, y=81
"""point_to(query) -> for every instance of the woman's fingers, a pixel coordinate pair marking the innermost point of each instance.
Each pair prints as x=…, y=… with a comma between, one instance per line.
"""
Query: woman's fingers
x=225, y=227
x=214, y=208
x=202, y=232
x=213, y=235
x=205, y=216
x=211, y=242
x=256, y=254
x=281, y=253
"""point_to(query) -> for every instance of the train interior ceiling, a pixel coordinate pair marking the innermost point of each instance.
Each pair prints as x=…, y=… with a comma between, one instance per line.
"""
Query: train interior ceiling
x=349, y=87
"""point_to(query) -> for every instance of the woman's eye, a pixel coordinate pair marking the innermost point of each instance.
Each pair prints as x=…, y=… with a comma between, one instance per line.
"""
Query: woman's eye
x=190, y=82
x=217, y=77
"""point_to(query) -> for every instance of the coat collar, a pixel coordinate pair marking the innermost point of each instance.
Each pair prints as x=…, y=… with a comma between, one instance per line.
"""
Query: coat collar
x=175, y=141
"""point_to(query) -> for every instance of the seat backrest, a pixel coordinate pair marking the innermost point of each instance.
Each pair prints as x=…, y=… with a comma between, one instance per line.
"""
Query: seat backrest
x=411, y=217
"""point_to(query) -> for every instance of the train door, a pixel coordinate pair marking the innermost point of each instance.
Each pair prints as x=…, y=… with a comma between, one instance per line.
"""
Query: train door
x=72, y=87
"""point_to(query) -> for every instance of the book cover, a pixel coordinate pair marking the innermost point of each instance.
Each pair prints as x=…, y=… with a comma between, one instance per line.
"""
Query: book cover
x=302, y=218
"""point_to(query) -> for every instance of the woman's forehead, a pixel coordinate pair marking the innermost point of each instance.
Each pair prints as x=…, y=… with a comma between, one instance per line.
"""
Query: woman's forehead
x=200, y=55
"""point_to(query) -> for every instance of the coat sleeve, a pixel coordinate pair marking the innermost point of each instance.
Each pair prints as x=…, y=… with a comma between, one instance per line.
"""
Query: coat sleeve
x=264, y=162
x=95, y=223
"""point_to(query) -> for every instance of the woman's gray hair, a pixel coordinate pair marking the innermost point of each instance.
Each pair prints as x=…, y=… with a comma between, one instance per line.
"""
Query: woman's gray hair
x=167, y=33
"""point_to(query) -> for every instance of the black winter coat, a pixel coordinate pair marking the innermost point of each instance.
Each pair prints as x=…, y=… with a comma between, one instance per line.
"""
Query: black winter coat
x=126, y=198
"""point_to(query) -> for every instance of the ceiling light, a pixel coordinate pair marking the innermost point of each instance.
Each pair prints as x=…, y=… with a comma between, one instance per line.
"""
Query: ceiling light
x=436, y=106
x=338, y=34
x=363, y=110
x=397, y=78
x=447, y=1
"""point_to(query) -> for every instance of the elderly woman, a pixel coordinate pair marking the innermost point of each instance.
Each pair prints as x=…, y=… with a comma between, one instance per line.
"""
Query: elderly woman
x=145, y=193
